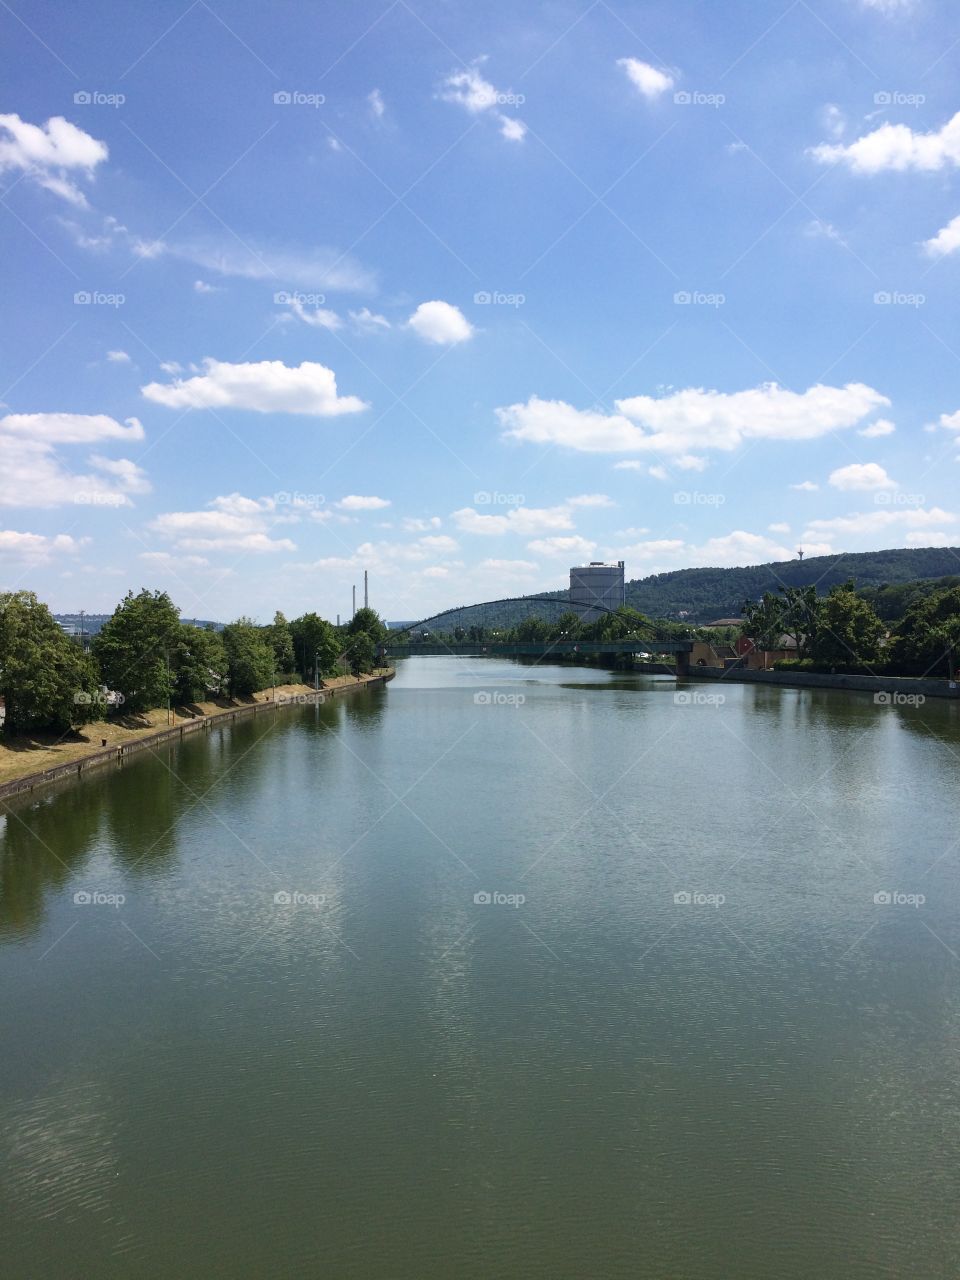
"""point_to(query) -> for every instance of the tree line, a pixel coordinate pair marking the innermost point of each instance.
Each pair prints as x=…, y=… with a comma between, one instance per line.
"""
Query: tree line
x=843, y=631
x=146, y=657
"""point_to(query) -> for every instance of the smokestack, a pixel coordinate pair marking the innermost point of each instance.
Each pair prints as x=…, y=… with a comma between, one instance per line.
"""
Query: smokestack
x=338, y=619
x=354, y=601
x=366, y=597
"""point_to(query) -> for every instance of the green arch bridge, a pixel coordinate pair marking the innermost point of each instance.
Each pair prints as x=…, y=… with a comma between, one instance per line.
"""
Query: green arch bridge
x=398, y=644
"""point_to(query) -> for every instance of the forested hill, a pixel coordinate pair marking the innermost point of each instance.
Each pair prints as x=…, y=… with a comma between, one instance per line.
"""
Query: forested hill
x=703, y=595
x=706, y=594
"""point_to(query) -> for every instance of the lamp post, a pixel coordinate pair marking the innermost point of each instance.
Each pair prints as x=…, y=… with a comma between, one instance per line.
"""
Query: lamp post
x=316, y=669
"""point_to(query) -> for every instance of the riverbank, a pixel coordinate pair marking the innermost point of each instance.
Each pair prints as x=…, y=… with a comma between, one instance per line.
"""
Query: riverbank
x=894, y=686
x=27, y=763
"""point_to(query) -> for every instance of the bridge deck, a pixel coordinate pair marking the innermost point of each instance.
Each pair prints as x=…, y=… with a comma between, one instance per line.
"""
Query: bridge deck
x=533, y=650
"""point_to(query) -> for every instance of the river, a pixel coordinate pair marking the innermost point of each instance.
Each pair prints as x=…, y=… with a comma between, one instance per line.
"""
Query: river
x=499, y=971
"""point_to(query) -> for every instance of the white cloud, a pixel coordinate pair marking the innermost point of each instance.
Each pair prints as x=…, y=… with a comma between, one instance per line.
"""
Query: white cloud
x=861, y=476
x=727, y=550
x=591, y=500
x=521, y=520
x=267, y=386
x=234, y=523
x=34, y=548
x=650, y=81
x=520, y=568
x=167, y=560
x=32, y=475
x=946, y=241
x=366, y=321
x=882, y=427
x=512, y=129
x=860, y=524
x=48, y=153
x=897, y=147
x=413, y=524
x=825, y=230
x=630, y=464
x=130, y=477
x=889, y=7
x=318, y=269
x=932, y=538
x=70, y=428
x=806, y=486
x=471, y=91
x=321, y=318
x=201, y=286
x=950, y=421
x=376, y=103
x=778, y=528
x=118, y=357
x=833, y=120
x=659, y=473
x=439, y=542
x=356, y=502
x=440, y=323
x=560, y=546
x=692, y=419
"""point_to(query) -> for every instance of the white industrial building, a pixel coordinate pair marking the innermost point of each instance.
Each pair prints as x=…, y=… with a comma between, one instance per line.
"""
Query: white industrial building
x=596, y=584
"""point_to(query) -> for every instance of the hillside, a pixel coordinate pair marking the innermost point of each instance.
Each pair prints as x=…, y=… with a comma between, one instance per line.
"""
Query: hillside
x=702, y=595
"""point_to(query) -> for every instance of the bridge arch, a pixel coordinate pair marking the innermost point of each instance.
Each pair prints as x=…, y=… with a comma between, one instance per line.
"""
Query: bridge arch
x=481, y=604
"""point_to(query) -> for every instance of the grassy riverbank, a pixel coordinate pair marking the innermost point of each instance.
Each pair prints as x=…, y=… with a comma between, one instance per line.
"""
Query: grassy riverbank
x=21, y=757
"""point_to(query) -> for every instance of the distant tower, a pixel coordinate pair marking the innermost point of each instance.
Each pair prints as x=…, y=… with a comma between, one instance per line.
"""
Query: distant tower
x=366, y=597
x=596, y=584
x=800, y=552
x=354, y=609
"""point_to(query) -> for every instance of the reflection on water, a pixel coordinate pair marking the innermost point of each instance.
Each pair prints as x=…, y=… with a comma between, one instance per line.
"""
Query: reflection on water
x=281, y=1034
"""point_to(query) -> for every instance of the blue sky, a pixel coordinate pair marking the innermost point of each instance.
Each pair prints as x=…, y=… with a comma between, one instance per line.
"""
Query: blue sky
x=467, y=294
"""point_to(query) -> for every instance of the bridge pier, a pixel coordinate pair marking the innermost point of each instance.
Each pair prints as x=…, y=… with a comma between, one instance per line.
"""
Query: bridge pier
x=683, y=662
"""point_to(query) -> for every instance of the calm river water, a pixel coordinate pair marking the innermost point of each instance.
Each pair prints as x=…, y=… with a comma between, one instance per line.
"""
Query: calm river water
x=703, y=1019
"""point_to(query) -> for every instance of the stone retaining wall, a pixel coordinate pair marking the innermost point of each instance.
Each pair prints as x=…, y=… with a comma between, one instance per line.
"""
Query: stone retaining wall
x=117, y=754
x=817, y=680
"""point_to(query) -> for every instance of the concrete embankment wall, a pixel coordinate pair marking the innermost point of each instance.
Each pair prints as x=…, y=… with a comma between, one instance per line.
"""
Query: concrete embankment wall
x=817, y=680
x=117, y=754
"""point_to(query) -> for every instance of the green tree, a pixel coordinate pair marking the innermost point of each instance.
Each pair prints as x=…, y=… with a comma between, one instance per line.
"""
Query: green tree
x=848, y=630
x=763, y=621
x=281, y=641
x=47, y=681
x=567, y=627
x=250, y=665
x=801, y=617
x=928, y=636
x=134, y=646
x=199, y=663
x=367, y=621
x=315, y=642
x=362, y=653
